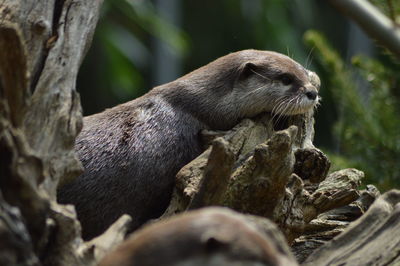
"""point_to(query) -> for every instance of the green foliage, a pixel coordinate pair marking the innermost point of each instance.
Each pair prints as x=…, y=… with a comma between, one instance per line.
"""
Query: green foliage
x=368, y=129
x=122, y=50
x=144, y=15
x=122, y=71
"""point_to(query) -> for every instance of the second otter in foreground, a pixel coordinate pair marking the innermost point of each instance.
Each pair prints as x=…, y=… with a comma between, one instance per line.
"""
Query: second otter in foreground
x=132, y=152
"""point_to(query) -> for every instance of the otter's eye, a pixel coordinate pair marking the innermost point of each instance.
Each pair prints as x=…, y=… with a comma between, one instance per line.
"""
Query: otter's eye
x=286, y=79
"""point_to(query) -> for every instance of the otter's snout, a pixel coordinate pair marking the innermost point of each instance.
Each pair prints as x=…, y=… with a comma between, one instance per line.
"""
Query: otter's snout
x=311, y=94
x=311, y=90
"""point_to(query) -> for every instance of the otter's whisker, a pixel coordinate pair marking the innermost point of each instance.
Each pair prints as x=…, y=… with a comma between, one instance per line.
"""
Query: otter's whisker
x=279, y=102
x=277, y=108
x=291, y=106
x=308, y=63
x=283, y=109
x=253, y=91
x=255, y=72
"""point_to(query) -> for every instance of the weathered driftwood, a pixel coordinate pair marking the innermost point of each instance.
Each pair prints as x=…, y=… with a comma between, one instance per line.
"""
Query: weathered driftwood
x=42, y=44
x=275, y=174
x=16, y=244
x=331, y=223
x=282, y=179
x=236, y=151
x=374, y=239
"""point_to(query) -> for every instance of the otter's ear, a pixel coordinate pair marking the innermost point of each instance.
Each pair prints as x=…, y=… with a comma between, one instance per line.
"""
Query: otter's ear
x=247, y=70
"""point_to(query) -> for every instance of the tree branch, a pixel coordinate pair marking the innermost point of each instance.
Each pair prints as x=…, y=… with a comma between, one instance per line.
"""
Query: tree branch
x=372, y=21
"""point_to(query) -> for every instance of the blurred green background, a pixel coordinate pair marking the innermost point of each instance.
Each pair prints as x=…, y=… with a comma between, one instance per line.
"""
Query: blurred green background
x=141, y=43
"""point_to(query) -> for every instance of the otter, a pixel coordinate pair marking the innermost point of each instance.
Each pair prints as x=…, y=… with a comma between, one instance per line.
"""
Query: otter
x=209, y=236
x=132, y=152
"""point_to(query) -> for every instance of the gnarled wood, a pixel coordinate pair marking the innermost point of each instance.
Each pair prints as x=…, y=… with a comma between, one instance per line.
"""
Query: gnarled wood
x=276, y=174
x=373, y=239
x=40, y=116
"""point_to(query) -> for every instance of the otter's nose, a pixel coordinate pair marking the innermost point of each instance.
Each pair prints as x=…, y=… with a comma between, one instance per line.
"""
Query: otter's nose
x=312, y=95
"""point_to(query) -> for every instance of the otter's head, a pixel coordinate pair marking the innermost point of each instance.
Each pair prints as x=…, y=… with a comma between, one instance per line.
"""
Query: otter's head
x=243, y=85
x=272, y=82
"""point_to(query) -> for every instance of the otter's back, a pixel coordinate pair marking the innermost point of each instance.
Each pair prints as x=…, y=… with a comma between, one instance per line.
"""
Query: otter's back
x=131, y=154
